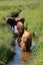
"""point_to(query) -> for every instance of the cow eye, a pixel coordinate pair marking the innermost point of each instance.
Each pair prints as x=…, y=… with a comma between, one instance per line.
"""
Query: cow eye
x=20, y=39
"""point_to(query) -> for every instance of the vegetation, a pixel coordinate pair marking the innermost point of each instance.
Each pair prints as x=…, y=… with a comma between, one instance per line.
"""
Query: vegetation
x=6, y=44
x=32, y=11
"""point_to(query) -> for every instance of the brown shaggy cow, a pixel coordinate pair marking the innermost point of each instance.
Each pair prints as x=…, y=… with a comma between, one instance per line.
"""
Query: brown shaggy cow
x=25, y=41
x=24, y=37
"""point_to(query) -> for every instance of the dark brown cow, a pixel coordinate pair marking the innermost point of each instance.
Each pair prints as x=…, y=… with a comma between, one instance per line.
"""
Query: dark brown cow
x=13, y=21
x=24, y=37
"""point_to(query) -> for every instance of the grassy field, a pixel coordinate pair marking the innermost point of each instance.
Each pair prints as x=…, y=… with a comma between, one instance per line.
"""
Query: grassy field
x=32, y=11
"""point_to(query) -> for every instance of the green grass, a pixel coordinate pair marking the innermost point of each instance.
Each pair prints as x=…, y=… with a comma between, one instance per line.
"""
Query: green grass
x=32, y=11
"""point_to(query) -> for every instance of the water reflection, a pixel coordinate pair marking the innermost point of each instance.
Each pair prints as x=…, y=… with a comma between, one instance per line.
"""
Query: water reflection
x=27, y=58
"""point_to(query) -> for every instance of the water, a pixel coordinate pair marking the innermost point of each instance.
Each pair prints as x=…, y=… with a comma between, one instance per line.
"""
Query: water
x=22, y=58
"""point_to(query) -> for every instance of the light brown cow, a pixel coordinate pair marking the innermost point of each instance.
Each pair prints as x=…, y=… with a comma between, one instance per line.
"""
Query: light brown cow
x=26, y=57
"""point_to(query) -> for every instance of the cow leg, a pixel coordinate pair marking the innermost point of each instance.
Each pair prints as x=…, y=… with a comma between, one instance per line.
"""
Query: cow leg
x=12, y=28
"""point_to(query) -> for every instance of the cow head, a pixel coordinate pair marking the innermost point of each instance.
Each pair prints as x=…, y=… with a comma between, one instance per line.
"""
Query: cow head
x=20, y=27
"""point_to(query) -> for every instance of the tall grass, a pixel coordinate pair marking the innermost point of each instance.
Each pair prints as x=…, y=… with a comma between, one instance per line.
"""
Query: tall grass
x=6, y=44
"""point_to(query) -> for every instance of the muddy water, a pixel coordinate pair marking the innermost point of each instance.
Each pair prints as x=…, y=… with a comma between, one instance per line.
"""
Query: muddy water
x=22, y=58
